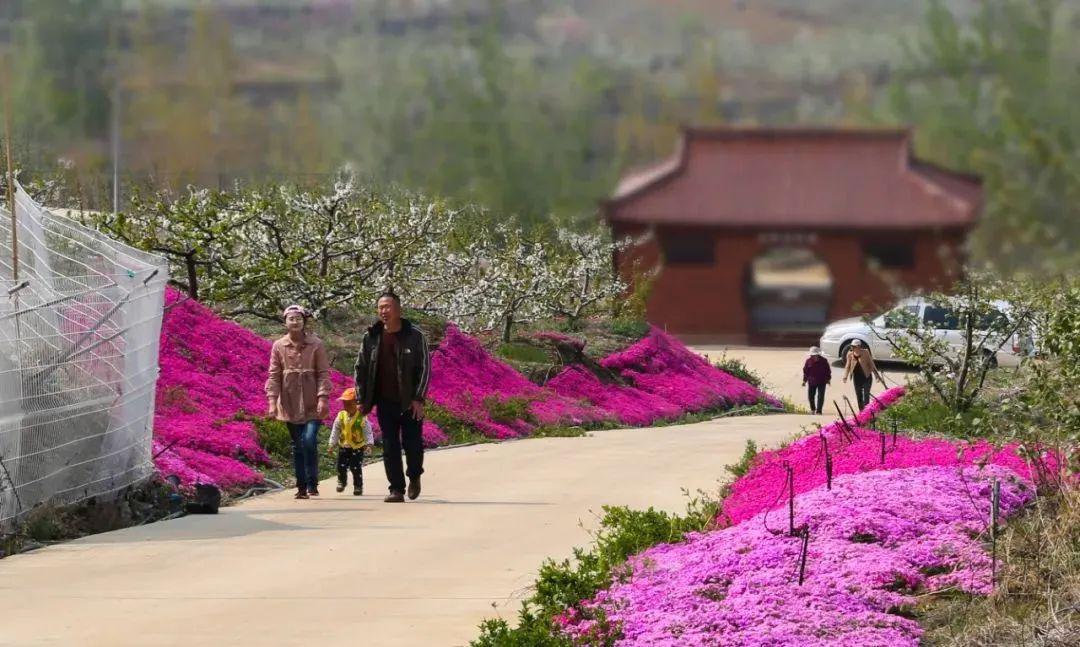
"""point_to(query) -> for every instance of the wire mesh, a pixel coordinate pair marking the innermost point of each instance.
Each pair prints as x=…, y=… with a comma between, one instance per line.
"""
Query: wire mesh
x=80, y=323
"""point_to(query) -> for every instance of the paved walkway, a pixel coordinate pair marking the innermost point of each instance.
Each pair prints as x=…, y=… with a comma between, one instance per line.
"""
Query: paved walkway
x=343, y=570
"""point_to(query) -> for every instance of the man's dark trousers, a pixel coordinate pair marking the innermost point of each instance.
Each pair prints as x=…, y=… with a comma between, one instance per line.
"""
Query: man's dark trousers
x=400, y=428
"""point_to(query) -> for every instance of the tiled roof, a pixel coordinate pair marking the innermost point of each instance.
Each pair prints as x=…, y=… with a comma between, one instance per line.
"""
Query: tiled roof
x=797, y=178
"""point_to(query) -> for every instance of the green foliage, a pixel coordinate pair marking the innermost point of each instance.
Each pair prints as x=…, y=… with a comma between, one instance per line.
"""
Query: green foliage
x=737, y=368
x=523, y=352
x=564, y=584
x=632, y=328
x=998, y=98
x=746, y=461
x=274, y=438
x=43, y=524
x=508, y=409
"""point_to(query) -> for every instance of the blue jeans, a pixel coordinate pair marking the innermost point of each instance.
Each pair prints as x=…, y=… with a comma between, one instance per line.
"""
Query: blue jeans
x=305, y=440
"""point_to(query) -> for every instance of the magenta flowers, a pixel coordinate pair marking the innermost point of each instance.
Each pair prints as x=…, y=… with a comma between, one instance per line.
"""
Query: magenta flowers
x=874, y=540
x=854, y=449
x=666, y=380
x=211, y=377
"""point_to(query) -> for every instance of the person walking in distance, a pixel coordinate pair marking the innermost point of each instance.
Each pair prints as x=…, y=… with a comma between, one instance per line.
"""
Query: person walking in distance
x=860, y=365
x=817, y=374
x=392, y=373
x=297, y=393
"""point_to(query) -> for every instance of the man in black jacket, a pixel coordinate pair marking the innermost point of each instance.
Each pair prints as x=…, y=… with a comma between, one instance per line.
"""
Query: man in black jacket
x=393, y=370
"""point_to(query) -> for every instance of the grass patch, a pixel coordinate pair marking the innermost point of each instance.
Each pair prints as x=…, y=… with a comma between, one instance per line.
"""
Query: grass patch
x=631, y=328
x=509, y=409
x=1037, y=597
x=520, y=351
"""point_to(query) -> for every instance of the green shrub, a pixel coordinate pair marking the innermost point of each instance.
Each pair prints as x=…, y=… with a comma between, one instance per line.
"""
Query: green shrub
x=274, y=438
x=746, y=461
x=633, y=328
x=44, y=523
x=561, y=585
x=508, y=410
x=737, y=368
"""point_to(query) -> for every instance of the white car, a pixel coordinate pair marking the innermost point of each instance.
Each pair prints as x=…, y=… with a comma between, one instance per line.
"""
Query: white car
x=839, y=335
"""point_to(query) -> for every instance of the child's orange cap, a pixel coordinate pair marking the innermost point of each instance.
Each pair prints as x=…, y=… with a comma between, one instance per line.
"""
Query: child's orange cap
x=349, y=394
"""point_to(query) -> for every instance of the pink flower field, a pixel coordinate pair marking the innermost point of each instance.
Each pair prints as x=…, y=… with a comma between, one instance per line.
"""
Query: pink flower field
x=853, y=450
x=666, y=381
x=880, y=534
x=874, y=540
x=213, y=371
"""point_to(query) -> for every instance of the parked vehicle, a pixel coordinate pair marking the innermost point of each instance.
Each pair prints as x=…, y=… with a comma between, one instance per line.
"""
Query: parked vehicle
x=910, y=312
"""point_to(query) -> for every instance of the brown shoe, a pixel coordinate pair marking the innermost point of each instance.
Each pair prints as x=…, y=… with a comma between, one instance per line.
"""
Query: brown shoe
x=394, y=497
x=301, y=493
x=414, y=487
x=313, y=491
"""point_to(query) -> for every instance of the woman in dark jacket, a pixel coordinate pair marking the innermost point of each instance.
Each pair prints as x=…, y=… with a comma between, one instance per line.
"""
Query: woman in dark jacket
x=817, y=374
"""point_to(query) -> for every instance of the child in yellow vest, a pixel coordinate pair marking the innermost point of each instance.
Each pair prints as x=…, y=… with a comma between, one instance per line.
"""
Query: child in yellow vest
x=351, y=435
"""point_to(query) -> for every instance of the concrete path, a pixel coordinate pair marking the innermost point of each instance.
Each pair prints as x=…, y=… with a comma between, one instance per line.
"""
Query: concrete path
x=343, y=570
x=781, y=369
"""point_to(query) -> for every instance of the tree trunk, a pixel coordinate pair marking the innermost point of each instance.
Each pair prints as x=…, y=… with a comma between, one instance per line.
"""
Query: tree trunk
x=508, y=324
x=193, y=276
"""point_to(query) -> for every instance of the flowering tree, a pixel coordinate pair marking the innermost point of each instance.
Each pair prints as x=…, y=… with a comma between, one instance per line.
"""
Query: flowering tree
x=332, y=248
x=504, y=279
x=955, y=365
x=196, y=232
x=582, y=274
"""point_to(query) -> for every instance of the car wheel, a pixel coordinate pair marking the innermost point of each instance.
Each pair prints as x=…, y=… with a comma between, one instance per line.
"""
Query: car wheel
x=843, y=350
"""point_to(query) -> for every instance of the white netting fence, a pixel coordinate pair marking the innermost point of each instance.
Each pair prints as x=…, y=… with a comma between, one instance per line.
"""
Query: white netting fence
x=79, y=329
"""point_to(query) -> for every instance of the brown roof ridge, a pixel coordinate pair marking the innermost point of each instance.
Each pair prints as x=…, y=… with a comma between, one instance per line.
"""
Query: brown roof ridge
x=921, y=165
x=838, y=132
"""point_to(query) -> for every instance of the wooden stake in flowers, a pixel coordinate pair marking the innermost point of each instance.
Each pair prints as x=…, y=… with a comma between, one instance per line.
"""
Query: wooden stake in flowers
x=828, y=463
x=882, y=447
x=844, y=426
x=791, y=499
x=995, y=503
x=895, y=430
x=805, y=531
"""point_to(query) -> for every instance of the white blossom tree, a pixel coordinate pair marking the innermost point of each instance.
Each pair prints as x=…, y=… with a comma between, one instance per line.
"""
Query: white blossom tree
x=582, y=274
x=334, y=248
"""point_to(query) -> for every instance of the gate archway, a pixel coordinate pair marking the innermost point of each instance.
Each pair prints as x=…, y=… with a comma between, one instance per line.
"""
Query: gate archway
x=788, y=295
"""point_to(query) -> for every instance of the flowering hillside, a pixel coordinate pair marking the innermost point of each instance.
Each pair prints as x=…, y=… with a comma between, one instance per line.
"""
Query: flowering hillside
x=874, y=540
x=213, y=371
x=212, y=375
x=864, y=545
x=854, y=450
x=468, y=382
x=665, y=379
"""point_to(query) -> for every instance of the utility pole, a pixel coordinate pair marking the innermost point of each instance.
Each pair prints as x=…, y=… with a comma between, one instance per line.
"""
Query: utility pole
x=10, y=170
x=116, y=145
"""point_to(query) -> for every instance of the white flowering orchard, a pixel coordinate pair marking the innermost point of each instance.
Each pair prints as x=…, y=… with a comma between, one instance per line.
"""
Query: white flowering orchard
x=338, y=246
